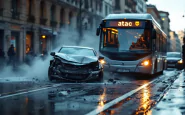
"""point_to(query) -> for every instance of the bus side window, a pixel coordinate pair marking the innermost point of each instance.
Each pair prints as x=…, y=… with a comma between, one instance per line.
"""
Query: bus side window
x=105, y=40
x=158, y=42
x=161, y=43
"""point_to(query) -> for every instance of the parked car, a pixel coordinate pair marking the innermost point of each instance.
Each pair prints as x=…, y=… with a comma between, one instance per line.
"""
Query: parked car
x=76, y=63
x=174, y=60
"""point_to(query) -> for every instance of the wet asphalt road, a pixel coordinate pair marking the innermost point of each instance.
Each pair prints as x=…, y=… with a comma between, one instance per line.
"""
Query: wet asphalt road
x=118, y=94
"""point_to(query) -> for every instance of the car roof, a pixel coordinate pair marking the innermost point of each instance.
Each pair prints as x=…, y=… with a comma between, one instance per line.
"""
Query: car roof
x=77, y=47
x=173, y=52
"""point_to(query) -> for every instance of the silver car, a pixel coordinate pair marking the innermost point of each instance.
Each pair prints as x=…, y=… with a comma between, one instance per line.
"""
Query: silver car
x=174, y=60
x=76, y=63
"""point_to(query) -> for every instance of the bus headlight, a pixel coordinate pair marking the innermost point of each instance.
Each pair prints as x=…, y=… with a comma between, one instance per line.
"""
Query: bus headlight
x=145, y=63
x=180, y=61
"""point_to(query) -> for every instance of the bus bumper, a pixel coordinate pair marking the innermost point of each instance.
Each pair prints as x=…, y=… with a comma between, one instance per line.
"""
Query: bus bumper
x=129, y=69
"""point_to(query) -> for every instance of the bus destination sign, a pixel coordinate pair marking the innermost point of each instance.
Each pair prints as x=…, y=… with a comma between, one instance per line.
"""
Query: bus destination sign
x=121, y=23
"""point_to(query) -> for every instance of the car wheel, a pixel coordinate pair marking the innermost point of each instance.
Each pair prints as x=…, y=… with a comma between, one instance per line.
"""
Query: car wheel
x=100, y=76
x=50, y=73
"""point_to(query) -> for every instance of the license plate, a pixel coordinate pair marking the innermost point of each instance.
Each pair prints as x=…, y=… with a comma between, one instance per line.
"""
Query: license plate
x=123, y=70
x=171, y=64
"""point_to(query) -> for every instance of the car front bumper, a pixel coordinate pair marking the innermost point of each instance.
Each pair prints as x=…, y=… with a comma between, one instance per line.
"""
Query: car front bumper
x=175, y=65
x=75, y=76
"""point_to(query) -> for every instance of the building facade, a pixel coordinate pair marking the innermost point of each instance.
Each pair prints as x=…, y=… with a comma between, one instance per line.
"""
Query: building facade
x=124, y=6
x=181, y=34
x=151, y=9
x=175, y=44
x=165, y=24
x=141, y=6
x=33, y=25
x=162, y=18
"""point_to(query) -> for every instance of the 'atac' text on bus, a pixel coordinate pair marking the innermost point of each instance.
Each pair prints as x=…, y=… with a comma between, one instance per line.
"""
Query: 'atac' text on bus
x=122, y=23
x=126, y=24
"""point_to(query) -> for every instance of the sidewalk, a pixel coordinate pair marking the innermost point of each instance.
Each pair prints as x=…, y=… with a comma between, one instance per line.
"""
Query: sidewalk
x=173, y=103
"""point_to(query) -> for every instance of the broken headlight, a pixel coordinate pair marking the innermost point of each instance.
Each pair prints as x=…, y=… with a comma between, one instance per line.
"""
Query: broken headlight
x=95, y=65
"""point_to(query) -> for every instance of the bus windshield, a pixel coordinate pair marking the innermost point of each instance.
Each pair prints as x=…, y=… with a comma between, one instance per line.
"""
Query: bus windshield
x=125, y=39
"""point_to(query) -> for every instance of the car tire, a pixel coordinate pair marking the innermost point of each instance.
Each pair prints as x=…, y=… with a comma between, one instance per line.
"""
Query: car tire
x=50, y=74
x=100, y=76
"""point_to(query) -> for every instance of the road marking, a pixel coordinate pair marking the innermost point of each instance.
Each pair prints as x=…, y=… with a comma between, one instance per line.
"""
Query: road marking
x=117, y=100
x=21, y=93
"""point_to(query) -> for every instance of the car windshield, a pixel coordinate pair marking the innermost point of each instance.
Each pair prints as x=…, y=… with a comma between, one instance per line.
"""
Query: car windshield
x=77, y=51
x=176, y=55
x=119, y=39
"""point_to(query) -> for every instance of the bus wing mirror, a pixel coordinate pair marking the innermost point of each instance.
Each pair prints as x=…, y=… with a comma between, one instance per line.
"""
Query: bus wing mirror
x=153, y=34
x=98, y=31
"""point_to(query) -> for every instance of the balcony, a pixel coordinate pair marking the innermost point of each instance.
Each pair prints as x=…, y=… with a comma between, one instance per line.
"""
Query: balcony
x=31, y=19
x=43, y=21
x=53, y=23
x=1, y=11
x=16, y=15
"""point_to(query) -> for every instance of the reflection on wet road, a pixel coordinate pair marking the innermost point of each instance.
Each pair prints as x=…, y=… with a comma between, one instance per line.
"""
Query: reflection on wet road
x=118, y=94
x=173, y=102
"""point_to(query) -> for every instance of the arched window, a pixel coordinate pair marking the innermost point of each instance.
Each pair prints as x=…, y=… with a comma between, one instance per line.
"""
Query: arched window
x=1, y=7
x=30, y=7
x=1, y=4
x=52, y=13
x=15, y=8
x=43, y=19
x=117, y=5
x=70, y=17
x=42, y=10
x=15, y=5
x=62, y=15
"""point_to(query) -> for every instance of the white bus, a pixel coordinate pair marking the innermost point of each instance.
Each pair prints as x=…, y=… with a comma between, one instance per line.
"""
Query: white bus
x=132, y=43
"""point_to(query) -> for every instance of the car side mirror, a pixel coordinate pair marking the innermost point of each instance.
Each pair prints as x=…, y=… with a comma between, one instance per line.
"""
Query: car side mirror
x=101, y=58
x=52, y=53
x=154, y=34
x=98, y=31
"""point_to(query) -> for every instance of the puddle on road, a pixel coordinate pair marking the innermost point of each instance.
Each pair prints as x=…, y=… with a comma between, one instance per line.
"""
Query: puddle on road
x=8, y=88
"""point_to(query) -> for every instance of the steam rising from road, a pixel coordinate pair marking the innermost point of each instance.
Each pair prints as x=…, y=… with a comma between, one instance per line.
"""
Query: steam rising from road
x=39, y=68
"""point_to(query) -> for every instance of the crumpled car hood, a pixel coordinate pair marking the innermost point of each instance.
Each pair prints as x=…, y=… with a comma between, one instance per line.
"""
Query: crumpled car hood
x=77, y=58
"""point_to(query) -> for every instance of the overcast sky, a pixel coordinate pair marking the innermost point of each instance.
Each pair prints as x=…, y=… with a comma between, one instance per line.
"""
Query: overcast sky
x=176, y=9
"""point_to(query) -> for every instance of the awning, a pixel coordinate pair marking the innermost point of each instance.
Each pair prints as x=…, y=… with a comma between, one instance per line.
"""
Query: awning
x=48, y=31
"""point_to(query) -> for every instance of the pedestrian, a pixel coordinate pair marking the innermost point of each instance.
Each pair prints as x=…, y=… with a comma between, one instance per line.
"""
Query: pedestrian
x=183, y=52
x=44, y=54
x=11, y=55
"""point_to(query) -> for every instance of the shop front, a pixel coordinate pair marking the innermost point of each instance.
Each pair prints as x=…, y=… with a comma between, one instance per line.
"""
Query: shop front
x=15, y=41
x=47, y=40
x=29, y=42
